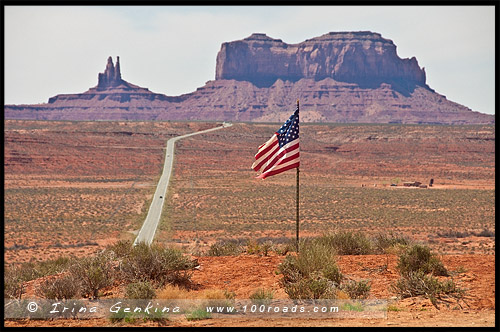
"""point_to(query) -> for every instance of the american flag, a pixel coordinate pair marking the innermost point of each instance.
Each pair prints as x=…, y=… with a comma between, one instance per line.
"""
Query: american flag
x=281, y=152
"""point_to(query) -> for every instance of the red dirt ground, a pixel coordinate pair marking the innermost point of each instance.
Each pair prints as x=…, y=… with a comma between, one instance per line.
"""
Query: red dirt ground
x=39, y=153
x=245, y=273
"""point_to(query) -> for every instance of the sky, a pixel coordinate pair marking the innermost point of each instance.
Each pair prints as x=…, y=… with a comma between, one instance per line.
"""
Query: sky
x=51, y=50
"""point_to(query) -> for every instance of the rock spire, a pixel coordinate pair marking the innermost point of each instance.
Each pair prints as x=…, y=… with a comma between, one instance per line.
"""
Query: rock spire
x=111, y=77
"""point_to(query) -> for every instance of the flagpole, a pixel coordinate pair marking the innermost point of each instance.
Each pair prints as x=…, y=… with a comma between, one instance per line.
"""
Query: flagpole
x=297, y=199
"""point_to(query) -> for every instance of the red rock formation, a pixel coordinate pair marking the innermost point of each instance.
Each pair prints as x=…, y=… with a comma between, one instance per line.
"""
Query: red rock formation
x=111, y=90
x=111, y=77
x=339, y=77
x=364, y=58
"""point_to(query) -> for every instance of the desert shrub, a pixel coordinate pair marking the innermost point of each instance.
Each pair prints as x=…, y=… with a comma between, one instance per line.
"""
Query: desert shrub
x=230, y=295
x=198, y=314
x=313, y=287
x=254, y=248
x=13, y=284
x=63, y=288
x=140, y=290
x=332, y=273
x=214, y=294
x=93, y=274
x=283, y=249
x=348, y=243
x=34, y=270
x=121, y=248
x=127, y=317
x=313, y=256
x=172, y=292
x=486, y=233
x=312, y=274
x=454, y=234
x=27, y=271
x=383, y=243
x=224, y=248
x=15, y=276
x=416, y=283
x=157, y=264
x=356, y=289
x=218, y=298
x=417, y=267
x=262, y=295
x=419, y=258
x=54, y=266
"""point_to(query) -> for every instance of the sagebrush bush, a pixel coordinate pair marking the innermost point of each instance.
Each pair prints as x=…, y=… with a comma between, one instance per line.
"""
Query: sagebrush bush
x=54, y=266
x=332, y=273
x=157, y=264
x=486, y=233
x=313, y=287
x=254, y=248
x=34, y=270
x=140, y=290
x=313, y=256
x=198, y=314
x=13, y=284
x=356, y=289
x=416, y=283
x=417, y=265
x=16, y=276
x=348, y=243
x=224, y=248
x=283, y=249
x=383, y=243
x=420, y=258
x=121, y=249
x=262, y=295
x=312, y=274
x=92, y=274
x=63, y=288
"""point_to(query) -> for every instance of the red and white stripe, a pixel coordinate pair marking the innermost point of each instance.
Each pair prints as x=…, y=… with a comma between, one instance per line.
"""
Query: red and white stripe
x=272, y=160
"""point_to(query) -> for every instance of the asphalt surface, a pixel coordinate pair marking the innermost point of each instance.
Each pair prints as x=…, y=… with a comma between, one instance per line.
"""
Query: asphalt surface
x=148, y=230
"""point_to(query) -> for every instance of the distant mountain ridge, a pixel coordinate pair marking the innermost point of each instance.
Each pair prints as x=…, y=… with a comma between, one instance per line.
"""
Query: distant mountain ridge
x=339, y=77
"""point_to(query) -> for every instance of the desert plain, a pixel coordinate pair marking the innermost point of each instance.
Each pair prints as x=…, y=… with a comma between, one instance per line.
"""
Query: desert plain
x=73, y=188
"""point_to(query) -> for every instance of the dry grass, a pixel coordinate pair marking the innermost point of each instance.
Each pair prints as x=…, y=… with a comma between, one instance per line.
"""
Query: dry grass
x=346, y=172
x=72, y=187
x=174, y=292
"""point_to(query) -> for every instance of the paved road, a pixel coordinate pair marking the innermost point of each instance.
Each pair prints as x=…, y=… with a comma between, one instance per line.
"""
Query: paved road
x=147, y=232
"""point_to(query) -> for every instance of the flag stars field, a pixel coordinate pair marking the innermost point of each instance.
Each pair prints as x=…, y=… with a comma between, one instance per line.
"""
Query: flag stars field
x=281, y=152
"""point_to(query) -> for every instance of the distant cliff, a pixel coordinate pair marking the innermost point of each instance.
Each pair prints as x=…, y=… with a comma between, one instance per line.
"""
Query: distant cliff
x=364, y=58
x=341, y=77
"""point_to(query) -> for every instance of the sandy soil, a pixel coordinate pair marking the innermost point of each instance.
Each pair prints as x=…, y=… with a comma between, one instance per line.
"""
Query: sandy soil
x=60, y=166
x=245, y=273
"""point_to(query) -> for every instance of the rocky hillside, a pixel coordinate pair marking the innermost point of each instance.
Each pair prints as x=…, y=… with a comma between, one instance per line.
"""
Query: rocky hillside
x=339, y=77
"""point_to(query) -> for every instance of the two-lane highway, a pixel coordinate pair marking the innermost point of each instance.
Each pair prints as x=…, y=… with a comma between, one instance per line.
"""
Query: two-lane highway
x=148, y=230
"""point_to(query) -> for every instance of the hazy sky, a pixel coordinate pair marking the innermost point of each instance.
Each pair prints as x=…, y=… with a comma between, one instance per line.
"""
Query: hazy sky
x=51, y=50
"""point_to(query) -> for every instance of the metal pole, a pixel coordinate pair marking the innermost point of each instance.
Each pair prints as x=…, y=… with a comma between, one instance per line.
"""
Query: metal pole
x=297, y=198
x=297, y=202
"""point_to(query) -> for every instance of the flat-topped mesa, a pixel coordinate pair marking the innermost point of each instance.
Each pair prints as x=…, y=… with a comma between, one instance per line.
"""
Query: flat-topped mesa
x=344, y=77
x=362, y=57
x=111, y=77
